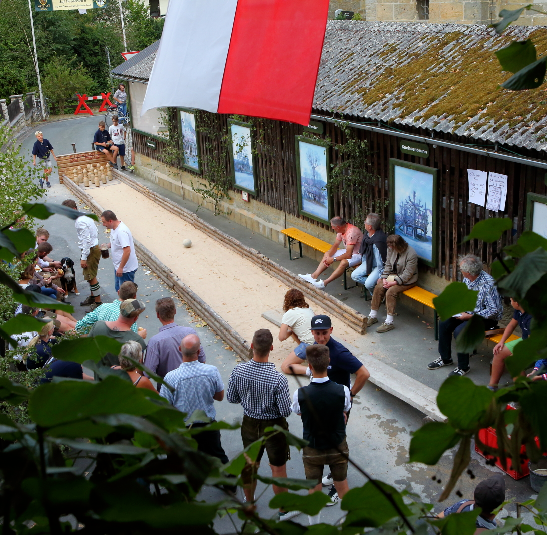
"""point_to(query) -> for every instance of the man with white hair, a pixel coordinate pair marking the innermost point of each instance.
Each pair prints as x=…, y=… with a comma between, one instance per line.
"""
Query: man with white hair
x=489, y=306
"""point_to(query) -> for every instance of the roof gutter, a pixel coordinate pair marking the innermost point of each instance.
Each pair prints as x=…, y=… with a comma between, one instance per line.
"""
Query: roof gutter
x=433, y=141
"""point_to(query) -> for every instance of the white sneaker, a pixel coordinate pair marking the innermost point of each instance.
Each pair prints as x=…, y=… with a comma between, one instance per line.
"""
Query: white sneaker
x=320, y=285
x=334, y=498
x=281, y=517
x=327, y=481
x=307, y=278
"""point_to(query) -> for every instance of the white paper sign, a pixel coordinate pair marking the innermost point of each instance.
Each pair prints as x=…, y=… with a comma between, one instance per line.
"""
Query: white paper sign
x=477, y=186
x=497, y=191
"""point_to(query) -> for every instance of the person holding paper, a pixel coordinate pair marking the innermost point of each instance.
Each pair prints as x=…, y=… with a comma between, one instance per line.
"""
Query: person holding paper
x=489, y=306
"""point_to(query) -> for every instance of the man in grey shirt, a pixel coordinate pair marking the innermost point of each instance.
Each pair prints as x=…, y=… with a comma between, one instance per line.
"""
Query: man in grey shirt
x=163, y=353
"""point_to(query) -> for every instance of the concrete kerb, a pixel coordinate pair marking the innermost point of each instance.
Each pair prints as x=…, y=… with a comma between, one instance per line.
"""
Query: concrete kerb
x=416, y=394
x=334, y=306
x=213, y=320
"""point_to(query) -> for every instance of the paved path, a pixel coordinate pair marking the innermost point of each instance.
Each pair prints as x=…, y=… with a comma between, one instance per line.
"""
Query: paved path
x=381, y=425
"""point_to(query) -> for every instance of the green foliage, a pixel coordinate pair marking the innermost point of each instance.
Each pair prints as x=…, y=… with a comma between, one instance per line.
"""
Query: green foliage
x=455, y=298
x=490, y=230
x=142, y=30
x=61, y=81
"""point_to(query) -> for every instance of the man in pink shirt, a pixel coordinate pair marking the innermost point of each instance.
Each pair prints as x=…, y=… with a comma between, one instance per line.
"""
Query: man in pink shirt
x=351, y=237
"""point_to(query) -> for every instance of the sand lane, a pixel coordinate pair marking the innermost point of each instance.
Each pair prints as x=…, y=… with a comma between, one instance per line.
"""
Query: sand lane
x=234, y=287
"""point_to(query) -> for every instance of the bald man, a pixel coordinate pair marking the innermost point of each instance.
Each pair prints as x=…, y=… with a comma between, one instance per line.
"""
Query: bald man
x=197, y=387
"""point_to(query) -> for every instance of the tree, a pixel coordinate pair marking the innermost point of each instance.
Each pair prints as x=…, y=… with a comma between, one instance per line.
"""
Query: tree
x=142, y=30
x=61, y=81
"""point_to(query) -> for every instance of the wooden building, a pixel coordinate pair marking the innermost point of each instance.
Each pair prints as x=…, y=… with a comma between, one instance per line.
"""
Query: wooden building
x=424, y=97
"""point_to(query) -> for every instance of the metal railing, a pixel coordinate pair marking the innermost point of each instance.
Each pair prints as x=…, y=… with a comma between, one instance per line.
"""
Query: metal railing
x=13, y=110
x=28, y=104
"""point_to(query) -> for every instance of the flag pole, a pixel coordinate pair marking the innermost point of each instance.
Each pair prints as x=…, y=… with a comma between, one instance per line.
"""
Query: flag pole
x=36, y=66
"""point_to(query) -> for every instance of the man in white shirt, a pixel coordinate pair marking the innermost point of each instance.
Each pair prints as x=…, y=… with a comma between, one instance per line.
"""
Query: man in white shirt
x=117, y=133
x=46, y=263
x=122, y=247
x=88, y=242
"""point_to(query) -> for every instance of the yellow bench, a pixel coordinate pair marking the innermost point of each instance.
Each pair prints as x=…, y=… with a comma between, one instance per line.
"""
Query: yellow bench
x=425, y=298
x=497, y=338
x=301, y=237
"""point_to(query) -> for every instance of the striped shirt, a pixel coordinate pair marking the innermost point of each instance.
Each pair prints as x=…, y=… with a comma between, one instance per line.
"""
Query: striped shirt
x=489, y=304
x=106, y=312
x=262, y=391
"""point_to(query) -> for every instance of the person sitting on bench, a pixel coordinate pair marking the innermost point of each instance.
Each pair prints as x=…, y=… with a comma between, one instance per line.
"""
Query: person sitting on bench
x=103, y=143
x=489, y=306
x=351, y=237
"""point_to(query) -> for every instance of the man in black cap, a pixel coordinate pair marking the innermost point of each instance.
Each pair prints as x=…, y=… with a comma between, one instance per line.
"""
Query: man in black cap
x=342, y=365
x=489, y=494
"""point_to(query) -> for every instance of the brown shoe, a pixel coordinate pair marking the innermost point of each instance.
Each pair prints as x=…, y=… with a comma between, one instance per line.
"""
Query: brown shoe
x=371, y=321
x=95, y=305
x=88, y=300
x=385, y=327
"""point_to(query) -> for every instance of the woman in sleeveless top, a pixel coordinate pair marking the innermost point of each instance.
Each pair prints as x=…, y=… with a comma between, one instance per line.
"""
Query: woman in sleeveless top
x=133, y=350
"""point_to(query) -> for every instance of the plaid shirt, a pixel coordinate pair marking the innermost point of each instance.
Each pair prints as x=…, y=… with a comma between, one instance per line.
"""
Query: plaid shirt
x=262, y=391
x=489, y=304
x=106, y=312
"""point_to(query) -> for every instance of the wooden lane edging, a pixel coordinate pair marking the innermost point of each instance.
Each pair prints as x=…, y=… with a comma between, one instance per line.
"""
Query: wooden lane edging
x=221, y=327
x=337, y=308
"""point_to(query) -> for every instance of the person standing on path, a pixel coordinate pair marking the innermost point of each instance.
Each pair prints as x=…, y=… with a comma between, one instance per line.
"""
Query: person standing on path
x=120, y=96
x=263, y=393
x=324, y=406
x=197, y=387
x=88, y=242
x=163, y=354
x=122, y=247
x=44, y=150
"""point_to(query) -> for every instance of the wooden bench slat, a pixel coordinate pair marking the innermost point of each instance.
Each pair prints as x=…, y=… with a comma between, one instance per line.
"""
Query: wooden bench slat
x=422, y=296
x=497, y=338
x=307, y=239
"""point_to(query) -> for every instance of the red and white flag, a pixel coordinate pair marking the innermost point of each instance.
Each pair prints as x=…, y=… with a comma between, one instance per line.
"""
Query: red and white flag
x=247, y=57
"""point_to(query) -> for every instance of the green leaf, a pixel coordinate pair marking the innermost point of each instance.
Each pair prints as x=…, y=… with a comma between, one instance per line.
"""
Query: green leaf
x=455, y=298
x=430, y=442
x=541, y=500
x=45, y=210
x=460, y=524
x=213, y=426
x=527, y=243
x=292, y=440
x=531, y=77
x=490, y=230
x=367, y=506
x=527, y=352
x=508, y=17
x=288, y=483
x=497, y=270
x=310, y=504
x=12, y=393
x=68, y=401
x=31, y=298
x=236, y=465
x=471, y=335
x=528, y=271
x=60, y=492
x=120, y=449
x=517, y=55
x=463, y=402
x=22, y=239
x=530, y=400
x=82, y=349
x=510, y=525
x=21, y=324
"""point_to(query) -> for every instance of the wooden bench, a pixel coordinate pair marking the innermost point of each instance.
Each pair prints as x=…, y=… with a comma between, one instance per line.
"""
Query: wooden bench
x=425, y=298
x=497, y=338
x=68, y=161
x=301, y=237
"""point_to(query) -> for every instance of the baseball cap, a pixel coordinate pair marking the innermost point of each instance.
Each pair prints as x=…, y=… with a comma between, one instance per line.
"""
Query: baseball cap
x=490, y=493
x=131, y=308
x=320, y=322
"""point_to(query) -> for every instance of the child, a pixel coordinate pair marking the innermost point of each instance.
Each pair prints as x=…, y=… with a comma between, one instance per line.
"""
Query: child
x=117, y=133
x=503, y=349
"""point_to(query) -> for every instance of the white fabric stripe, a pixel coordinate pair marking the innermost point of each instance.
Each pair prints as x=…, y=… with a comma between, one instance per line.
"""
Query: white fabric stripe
x=192, y=54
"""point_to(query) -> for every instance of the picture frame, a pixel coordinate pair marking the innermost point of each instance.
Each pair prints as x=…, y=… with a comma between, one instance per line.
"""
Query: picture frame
x=189, y=139
x=536, y=213
x=312, y=171
x=242, y=156
x=413, y=207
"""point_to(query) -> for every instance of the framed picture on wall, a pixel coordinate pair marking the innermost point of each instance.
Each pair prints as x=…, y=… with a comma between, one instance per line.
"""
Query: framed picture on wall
x=242, y=156
x=413, y=207
x=190, y=147
x=536, y=214
x=312, y=165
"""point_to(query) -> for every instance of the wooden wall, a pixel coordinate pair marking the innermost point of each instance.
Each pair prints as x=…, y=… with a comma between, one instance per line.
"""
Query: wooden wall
x=274, y=142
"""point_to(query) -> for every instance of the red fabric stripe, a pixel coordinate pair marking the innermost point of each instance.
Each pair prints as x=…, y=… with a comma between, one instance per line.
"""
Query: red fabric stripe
x=273, y=60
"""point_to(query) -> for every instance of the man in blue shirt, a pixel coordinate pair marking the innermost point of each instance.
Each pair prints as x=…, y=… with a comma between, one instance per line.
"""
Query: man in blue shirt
x=197, y=387
x=43, y=149
x=103, y=143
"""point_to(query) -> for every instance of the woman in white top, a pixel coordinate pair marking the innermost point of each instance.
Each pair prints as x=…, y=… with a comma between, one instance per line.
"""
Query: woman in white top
x=296, y=323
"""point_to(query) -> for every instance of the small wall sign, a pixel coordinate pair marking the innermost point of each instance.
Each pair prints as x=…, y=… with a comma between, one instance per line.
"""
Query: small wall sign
x=151, y=143
x=317, y=127
x=413, y=148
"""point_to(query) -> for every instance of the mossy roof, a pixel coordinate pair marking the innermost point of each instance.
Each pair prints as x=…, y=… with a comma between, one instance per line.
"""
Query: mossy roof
x=139, y=66
x=441, y=77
